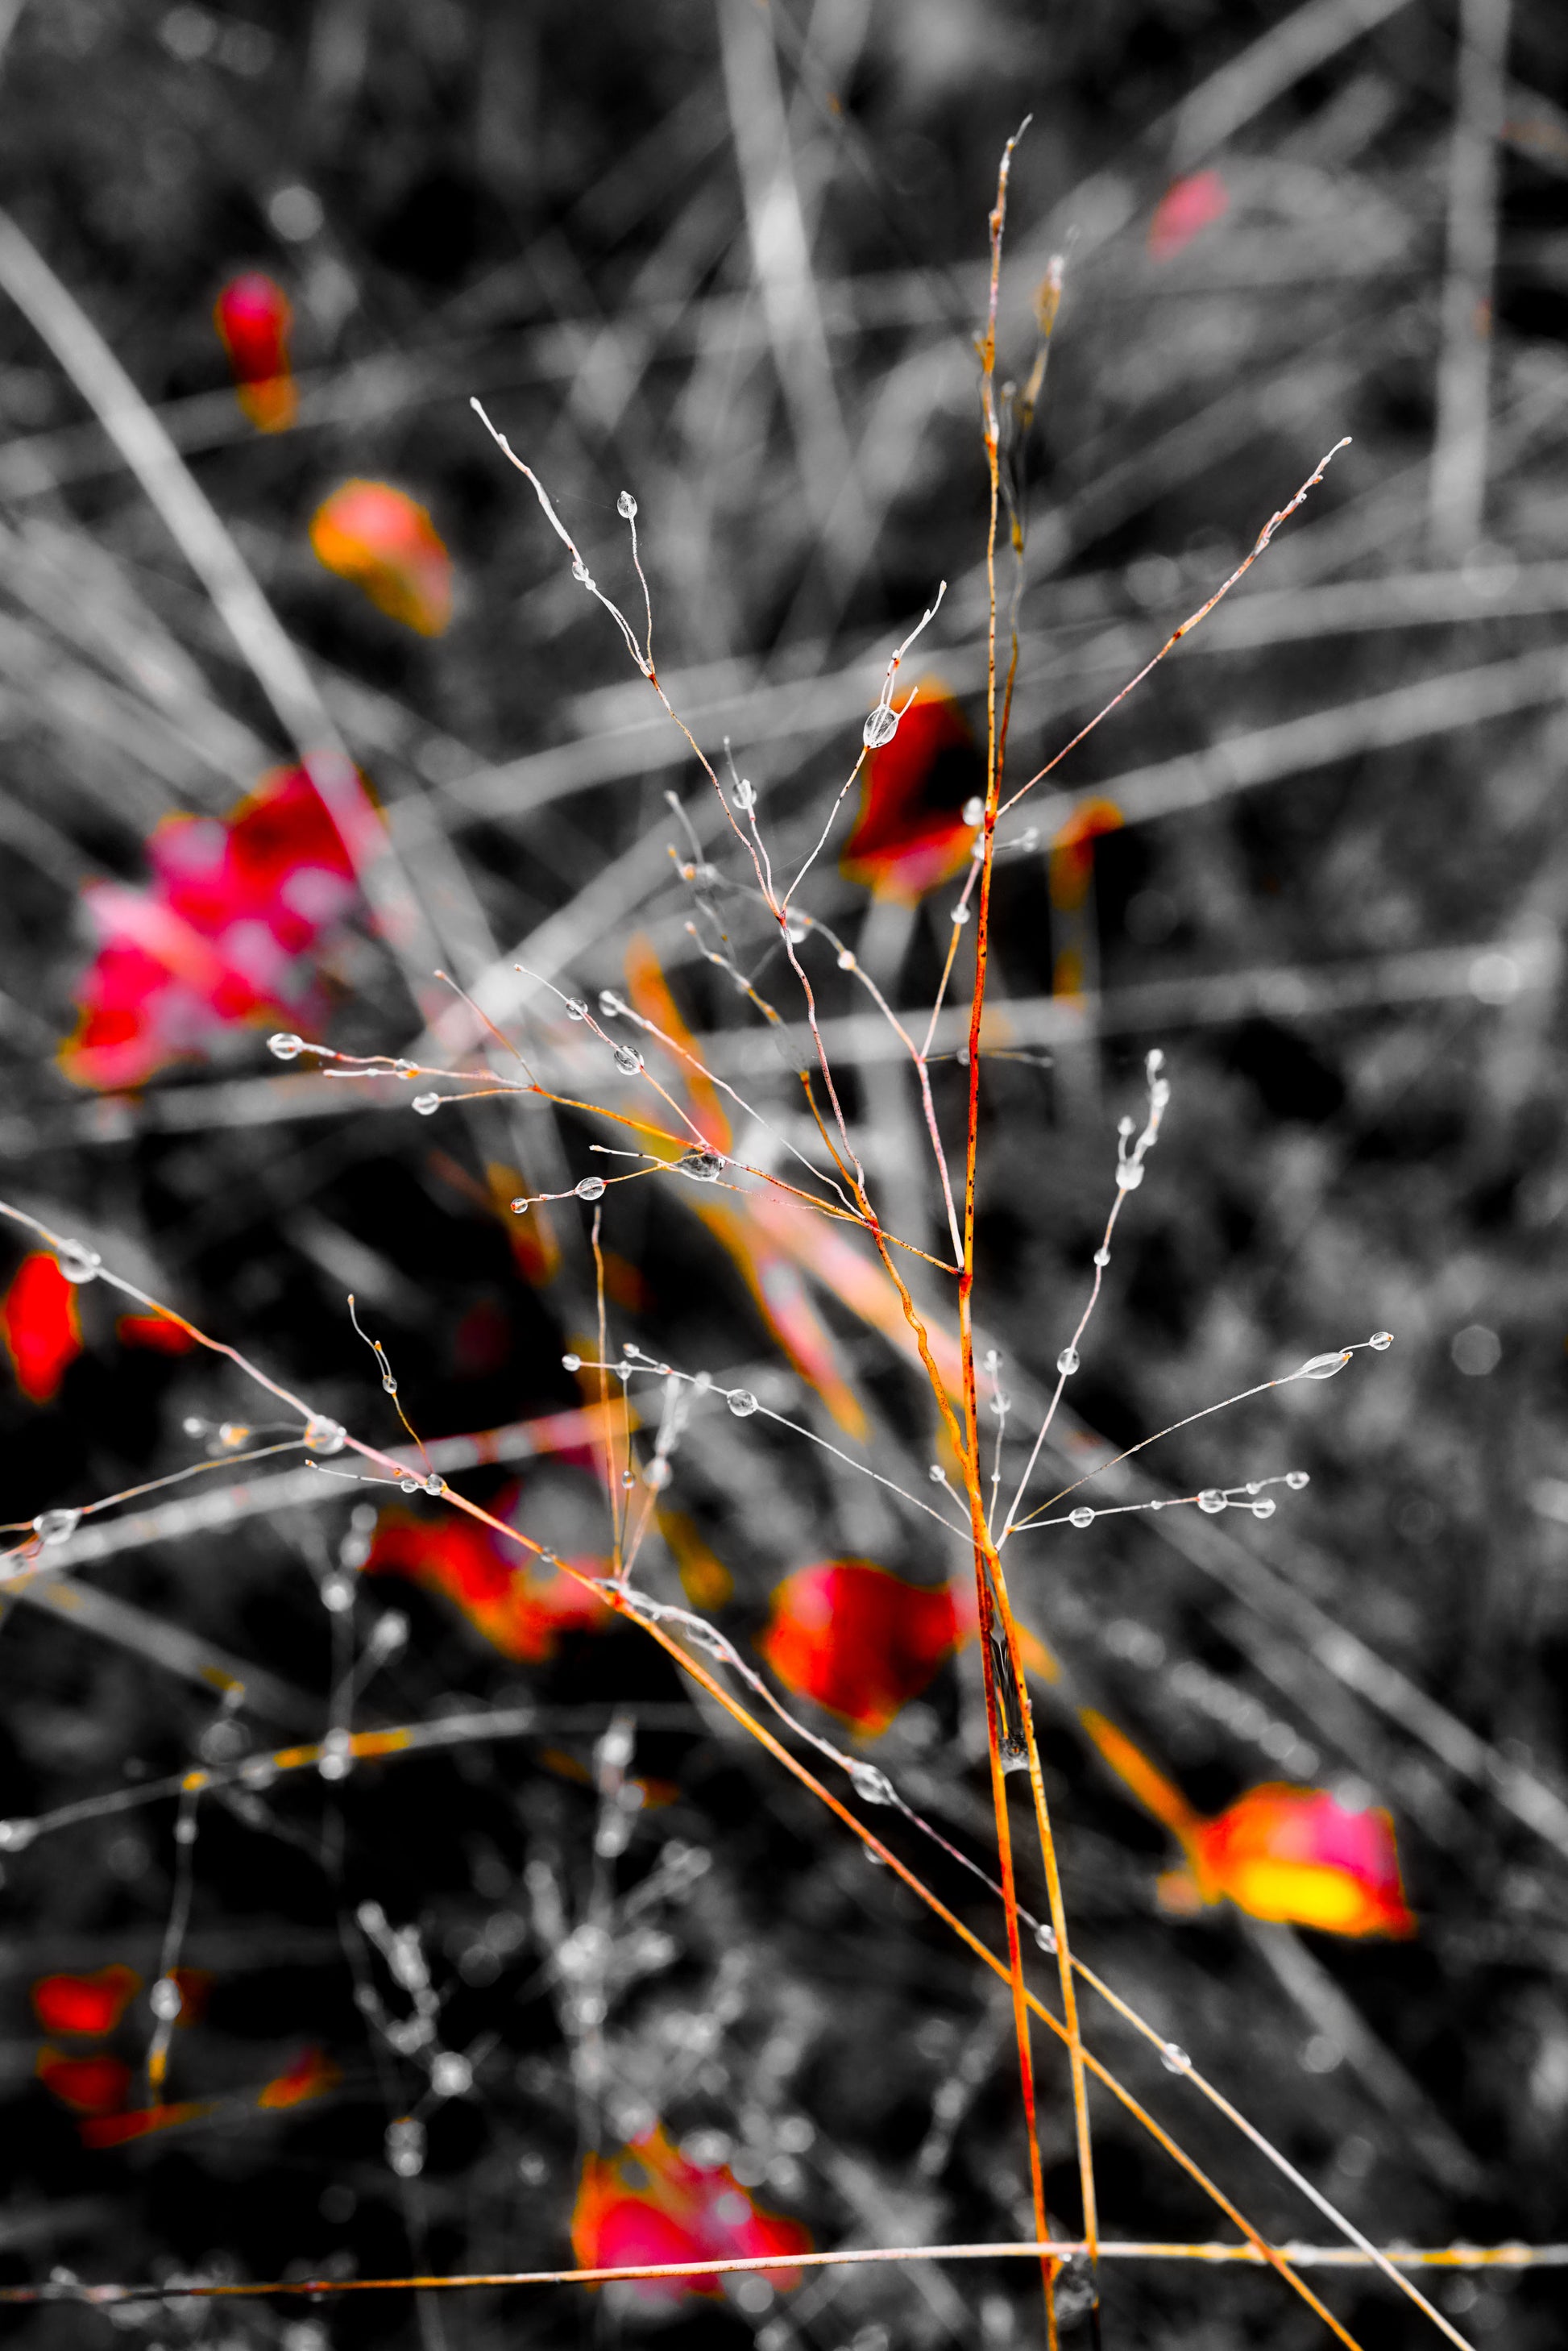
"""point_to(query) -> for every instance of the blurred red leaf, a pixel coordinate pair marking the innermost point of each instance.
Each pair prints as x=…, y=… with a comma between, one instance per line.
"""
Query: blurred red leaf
x=910, y=834
x=375, y=536
x=116, y=2130
x=1187, y=207
x=88, y=2086
x=648, y=2204
x=223, y=935
x=520, y=1608
x=858, y=1640
x=155, y=1331
x=253, y=318
x=85, y=2004
x=42, y=1325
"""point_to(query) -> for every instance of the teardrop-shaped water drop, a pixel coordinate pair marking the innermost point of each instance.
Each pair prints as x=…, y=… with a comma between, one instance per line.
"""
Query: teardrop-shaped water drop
x=1323, y=1367
x=1211, y=1501
x=1067, y=1362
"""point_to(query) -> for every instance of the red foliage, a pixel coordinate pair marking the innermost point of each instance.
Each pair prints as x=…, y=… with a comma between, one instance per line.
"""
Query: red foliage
x=1187, y=207
x=910, y=834
x=858, y=1640
x=115, y=2130
x=155, y=1331
x=1297, y=1853
x=88, y=2086
x=42, y=1326
x=85, y=2004
x=377, y=536
x=253, y=318
x=311, y=2073
x=224, y=933
x=647, y=2203
x=520, y=1607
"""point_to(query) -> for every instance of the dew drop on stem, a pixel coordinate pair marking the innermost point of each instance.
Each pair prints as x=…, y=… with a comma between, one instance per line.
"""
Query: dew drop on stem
x=427, y=1104
x=592, y=1187
x=1211, y=1501
x=742, y=1403
x=576, y=1009
x=78, y=1262
x=571, y=1363
x=1082, y=1517
x=1296, y=1479
x=1067, y=1362
x=629, y=1061
x=1323, y=1367
x=283, y=1046
x=57, y=1526
x=1381, y=1340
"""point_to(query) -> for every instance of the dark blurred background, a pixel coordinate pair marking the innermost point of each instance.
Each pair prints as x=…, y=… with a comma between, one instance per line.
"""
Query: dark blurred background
x=732, y=259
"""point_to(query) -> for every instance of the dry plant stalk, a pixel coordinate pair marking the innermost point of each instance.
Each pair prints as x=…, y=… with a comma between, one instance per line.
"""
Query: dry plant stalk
x=838, y=1191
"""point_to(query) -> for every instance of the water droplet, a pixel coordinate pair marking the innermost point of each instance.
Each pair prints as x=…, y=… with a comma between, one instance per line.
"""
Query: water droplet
x=1175, y=2060
x=1211, y=1501
x=324, y=1436
x=407, y=1485
x=1156, y=1505
x=336, y=1761
x=195, y=1427
x=285, y=1046
x=703, y=1166
x=427, y=1104
x=434, y=1484
x=1102, y=1257
x=406, y=2147
x=389, y=1384
x=626, y=507
x=875, y=1859
x=57, y=1526
x=1047, y=1939
x=592, y=1187
x=973, y=809
x=742, y=1403
x=1296, y=1479
x=880, y=728
x=937, y=1474
x=659, y=1473
x=451, y=2076
x=572, y=1363
x=1322, y=1367
x=1067, y=1362
x=610, y=1003
x=78, y=1262
x=629, y=1478
x=576, y=1009
x=629, y=1061
x=389, y=1631
x=337, y=1593
x=1082, y=1517
x=15, y=1836
x=1265, y=1508
x=1129, y=1174
x=959, y=913
x=845, y=960
x=519, y=1206
x=165, y=2000
x=872, y=1786
x=1381, y=1340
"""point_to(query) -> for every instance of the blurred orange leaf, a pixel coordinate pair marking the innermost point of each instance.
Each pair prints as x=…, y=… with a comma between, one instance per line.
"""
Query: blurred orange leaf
x=311, y=2074
x=375, y=536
